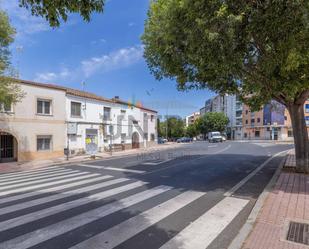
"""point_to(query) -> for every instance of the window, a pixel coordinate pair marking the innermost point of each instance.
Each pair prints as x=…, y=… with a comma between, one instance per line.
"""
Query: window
x=43, y=107
x=285, y=118
x=76, y=109
x=135, y=122
x=247, y=121
x=152, y=137
x=246, y=135
x=151, y=118
x=5, y=107
x=44, y=143
x=257, y=133
x=258, y=120
x=107, y=113
x=246, y=111
x=123, y=111
x=252, y=121
x=123, y=138
x=290, y=133
x=146, y=136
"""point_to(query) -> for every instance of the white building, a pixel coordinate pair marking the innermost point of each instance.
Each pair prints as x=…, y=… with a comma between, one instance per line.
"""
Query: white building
x=192, y=118
x=233, y=110
x=101, y=124
x=37, y=127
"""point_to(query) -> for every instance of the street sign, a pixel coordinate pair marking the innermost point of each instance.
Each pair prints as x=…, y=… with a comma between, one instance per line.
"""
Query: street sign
x=72, y=128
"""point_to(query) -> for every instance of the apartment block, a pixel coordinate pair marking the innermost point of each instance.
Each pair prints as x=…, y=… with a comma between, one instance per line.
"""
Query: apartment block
x=50, y=120
x=272, y=122
x=192, y=118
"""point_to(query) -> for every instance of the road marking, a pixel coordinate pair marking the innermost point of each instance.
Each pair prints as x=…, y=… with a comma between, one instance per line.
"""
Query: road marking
x=36, y=177
x=156, y=163
x=29, y=173
x=20, y=220
x=82, y=175
x=253, y=173
x=52, y=177
x=200, y=233
x=112, y=168
x=61, y=195
x=41, y=235
x=212, y=146
x=127, y=229
x=48, y=190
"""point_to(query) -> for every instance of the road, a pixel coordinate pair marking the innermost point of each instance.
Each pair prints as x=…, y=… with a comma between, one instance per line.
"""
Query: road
x=193, y=196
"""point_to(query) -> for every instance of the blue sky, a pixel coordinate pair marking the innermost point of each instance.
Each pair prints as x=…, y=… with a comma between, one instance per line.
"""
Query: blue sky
x=106, y=53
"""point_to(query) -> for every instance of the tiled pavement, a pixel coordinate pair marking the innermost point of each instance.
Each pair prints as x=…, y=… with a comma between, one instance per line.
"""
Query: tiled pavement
x=288, y=201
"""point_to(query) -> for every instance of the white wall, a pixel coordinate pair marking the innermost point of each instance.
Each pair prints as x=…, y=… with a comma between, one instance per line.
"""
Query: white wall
x=92, y=117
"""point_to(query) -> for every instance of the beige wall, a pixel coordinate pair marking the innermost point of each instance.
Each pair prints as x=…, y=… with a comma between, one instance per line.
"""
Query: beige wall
x=25, y=124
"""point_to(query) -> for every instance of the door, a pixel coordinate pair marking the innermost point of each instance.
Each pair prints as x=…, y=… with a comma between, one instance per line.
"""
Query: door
x=7, y=148
x=135, y=140
x=91, y=141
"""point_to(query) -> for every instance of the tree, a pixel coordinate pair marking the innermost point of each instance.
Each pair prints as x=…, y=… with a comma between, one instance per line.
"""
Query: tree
x=55, y=11
x=191, y=130
x=8, y=92
x=175, y=127
x=256, y=49
x=212, y=121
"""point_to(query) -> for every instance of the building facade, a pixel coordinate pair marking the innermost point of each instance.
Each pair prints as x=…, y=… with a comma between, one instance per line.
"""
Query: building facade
x=192, y=118
x=51, y=118
x=272, y=122
x=33, y=128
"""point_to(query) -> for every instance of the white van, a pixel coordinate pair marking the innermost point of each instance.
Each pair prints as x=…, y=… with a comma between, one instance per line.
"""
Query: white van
x=215, y=136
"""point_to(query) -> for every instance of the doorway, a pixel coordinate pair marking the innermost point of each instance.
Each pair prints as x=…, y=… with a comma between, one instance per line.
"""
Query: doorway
x=135, y=140
x=8, y=148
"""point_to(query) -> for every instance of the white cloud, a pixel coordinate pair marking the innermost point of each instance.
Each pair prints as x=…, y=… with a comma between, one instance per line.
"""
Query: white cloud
x=118, y=59
x=22, y=19
x=115, y=60
x=131, y=24
x=63, y=74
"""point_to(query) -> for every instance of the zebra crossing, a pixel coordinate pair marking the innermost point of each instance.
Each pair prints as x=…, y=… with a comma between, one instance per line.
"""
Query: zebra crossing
x=59, y=207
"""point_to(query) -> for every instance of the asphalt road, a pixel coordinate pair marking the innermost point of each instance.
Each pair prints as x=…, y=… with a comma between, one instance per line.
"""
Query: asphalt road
x=194, y=196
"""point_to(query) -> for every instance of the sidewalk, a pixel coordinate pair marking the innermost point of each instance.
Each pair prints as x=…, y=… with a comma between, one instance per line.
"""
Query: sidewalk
x=19, y=166
x=288, y=201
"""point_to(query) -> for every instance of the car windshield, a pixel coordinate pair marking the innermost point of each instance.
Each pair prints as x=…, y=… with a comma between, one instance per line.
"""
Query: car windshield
x=216, y=134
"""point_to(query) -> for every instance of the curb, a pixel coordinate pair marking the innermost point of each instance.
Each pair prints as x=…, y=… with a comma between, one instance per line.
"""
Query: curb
x=88, y=159
x=246, y=229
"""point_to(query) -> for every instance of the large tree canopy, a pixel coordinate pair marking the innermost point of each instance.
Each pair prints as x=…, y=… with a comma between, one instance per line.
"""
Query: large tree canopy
x=256, y=49
x=55, y=11
x=212, y=121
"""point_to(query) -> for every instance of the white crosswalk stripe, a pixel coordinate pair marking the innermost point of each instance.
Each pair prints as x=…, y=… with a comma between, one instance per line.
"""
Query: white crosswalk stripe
x=55, y=197
x=28, y=172
x=77, y=190
x=200, y=233
x=58, y=180
x=52, y=176
x=125, y=230
x=65, y=184
x=36, y=177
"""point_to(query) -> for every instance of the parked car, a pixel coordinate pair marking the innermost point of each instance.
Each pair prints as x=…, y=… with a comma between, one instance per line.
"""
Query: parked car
x=184, y=140
x=215, y=136
x=161, y=140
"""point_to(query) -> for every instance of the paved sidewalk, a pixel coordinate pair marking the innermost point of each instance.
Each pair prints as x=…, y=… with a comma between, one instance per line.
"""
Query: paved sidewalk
x=19, y=166
x=288, y=201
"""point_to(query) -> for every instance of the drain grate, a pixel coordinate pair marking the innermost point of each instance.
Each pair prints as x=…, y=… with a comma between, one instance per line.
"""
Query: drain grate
x=298, y=233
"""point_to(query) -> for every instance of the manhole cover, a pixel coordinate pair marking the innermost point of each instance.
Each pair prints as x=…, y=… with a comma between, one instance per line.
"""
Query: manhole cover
x=298, y=233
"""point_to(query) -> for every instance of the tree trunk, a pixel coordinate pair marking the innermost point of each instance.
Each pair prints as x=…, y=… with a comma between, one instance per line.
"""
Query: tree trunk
x=301, y=140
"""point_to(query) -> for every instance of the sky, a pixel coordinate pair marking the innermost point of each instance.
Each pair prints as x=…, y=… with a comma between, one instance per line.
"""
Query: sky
x=106, y=54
